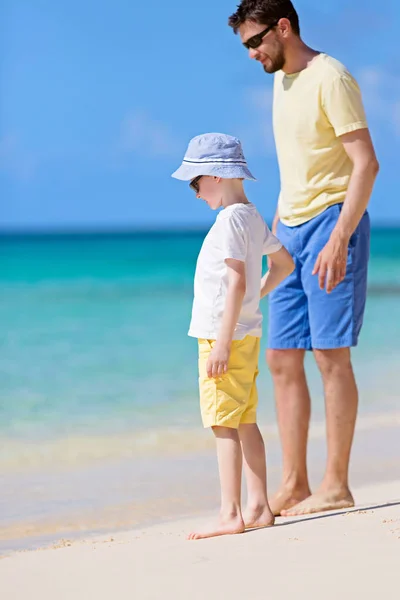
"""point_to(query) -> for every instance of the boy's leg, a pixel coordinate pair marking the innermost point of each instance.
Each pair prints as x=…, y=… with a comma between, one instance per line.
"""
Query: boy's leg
x=258, y=512
x=230, y=473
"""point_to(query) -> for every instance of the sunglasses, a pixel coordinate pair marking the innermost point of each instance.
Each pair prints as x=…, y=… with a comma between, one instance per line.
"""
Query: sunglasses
x=256, y=40
x=194, y=184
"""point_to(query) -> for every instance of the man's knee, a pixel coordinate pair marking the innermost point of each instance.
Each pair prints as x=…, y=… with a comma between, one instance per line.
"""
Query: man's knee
x=285, y=363
x=333, y=362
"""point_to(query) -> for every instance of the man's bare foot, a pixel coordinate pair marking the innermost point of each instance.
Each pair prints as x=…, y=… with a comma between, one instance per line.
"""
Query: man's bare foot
x=225, y=526
x=287, y=497
x=259, y=517
x=320, y=502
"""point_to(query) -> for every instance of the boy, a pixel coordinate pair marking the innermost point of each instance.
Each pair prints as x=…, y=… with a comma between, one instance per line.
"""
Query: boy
x=227, y=320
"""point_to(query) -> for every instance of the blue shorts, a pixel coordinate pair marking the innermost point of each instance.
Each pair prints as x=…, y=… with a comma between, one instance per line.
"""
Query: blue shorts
x=301, y=315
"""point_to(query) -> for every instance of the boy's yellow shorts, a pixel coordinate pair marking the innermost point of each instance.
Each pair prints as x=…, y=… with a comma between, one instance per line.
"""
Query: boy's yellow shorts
x=232, y=399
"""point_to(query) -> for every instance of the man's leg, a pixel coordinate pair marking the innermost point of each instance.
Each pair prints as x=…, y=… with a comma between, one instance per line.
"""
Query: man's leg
x=341, y=401
x=293, y=411
x=335, y=324
x=289, y=336
x=258, y=512
x=229, y=453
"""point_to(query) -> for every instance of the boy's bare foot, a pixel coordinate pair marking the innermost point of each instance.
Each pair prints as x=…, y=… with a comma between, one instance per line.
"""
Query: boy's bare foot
x=287, y=497
x=225, y=526
x=320, y=502
x=259, y=517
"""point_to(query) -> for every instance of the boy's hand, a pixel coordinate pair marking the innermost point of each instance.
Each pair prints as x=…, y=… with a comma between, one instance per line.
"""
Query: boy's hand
x=217, y=364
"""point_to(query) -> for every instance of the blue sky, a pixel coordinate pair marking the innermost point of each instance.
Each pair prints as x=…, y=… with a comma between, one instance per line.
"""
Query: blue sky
x=99, y=100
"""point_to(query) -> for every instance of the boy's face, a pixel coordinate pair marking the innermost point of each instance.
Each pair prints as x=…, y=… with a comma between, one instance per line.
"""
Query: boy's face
x=210, y=190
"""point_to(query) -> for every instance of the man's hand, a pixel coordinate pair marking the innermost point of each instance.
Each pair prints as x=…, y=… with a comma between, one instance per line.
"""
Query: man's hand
x=332, y=260
x=331, y=263
x=217, y=364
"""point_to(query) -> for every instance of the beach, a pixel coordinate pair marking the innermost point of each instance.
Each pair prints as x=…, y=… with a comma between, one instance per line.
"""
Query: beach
x=103, y=496
x=344, y=554
x=100, y=432
x=110, y=190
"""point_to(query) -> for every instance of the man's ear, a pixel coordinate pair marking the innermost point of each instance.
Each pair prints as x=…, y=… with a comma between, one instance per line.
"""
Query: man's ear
x=284, y=27
x=217, y=179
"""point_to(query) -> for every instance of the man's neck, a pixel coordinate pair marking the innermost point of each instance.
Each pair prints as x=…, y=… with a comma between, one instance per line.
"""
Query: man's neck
x=299, y=56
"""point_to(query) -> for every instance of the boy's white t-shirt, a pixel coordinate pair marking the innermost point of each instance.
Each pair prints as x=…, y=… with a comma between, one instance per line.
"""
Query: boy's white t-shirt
x=241, y=233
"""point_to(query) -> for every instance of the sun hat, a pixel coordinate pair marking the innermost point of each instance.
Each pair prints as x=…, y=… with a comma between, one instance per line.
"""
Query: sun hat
x=215, y=154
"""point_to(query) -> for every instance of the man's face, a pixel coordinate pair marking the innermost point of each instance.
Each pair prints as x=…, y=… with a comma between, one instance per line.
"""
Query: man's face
x=270, y=53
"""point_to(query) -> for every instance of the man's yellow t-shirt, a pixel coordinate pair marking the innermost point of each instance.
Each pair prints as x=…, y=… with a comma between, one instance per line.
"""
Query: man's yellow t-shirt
x=311, y=110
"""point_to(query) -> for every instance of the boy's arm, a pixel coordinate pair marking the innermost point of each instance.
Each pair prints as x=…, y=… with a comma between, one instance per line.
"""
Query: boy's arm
x=281, y=265
x=217, y=363
x=273, y=229
x=275, y=221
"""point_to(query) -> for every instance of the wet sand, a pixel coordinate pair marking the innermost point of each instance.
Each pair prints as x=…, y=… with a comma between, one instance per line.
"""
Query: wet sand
x=344, y=554
x=38, y=506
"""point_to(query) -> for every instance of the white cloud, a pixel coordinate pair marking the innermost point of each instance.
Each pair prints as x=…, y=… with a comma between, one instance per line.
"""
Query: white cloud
x=14, y=160
x=142, y=134
x=381, y=94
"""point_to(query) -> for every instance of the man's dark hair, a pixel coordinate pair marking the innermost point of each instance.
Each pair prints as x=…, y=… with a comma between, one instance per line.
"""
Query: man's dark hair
x=264, y=12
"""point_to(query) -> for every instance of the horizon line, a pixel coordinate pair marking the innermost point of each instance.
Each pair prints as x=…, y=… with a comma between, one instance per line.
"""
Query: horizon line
x=130, y=231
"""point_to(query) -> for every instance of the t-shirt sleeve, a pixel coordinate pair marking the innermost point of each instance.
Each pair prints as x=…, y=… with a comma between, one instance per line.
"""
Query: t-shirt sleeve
x=271, y=242
x=343, y=104
x=234, y=242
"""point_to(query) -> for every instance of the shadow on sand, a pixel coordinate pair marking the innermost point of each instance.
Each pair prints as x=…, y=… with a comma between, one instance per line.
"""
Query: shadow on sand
x=327, y=515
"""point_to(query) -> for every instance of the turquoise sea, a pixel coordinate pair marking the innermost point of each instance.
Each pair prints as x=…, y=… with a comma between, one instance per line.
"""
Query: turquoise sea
x=96, y=365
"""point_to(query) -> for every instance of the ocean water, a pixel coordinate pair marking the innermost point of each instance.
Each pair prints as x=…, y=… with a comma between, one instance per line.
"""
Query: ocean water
x=96, y=364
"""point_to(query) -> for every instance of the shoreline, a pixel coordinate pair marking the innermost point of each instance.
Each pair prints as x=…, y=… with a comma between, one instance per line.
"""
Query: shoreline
x=128, y=494
x=346, y=554
x=64, y=452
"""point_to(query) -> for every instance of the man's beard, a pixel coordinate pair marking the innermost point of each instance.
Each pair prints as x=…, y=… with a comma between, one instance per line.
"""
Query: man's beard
x=277, y=63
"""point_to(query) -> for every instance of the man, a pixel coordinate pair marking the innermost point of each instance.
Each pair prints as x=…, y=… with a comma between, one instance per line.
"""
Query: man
x=327, y=167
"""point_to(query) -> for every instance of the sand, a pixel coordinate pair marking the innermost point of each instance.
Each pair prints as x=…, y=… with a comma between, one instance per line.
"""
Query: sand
x=39, y=506
x=345, y=554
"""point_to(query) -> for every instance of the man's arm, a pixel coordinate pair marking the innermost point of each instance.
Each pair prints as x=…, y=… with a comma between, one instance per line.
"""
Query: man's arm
x=281, y=265
x=332, y=260
x=217, y=363
x=360, y=150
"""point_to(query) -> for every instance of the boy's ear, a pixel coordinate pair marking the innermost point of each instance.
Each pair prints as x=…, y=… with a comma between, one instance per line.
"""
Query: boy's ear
x=217, y=179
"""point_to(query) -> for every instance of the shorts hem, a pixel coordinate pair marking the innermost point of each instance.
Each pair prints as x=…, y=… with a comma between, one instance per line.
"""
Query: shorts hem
x=333, y=344
x=215, y=423
x=230, y=424
x=248, y=421
x=290, y=344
